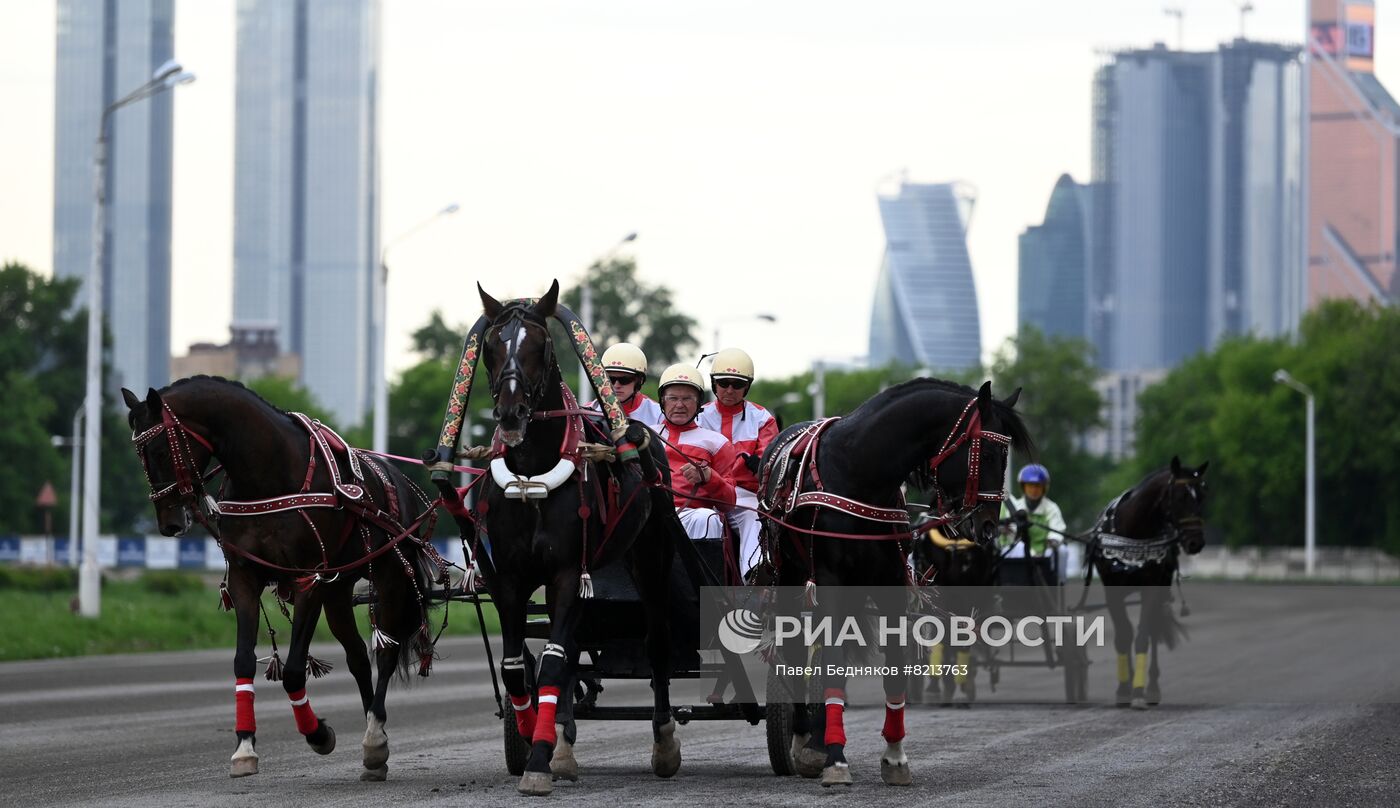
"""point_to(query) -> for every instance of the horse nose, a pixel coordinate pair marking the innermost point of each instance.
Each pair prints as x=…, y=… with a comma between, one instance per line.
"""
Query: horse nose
x=171, y=528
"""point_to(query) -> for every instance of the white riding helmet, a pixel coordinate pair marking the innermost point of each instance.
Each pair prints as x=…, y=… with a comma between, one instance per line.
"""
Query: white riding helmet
x=626, y=356
x=681, y=373
x=732, y=363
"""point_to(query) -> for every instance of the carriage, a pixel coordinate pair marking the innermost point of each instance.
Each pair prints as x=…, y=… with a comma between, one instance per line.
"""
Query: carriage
x=987, y=580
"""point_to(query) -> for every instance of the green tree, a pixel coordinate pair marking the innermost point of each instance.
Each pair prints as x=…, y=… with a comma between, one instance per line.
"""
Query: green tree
x=1059, y=403
x=626, y=309
x=43, y=360
x=439, y=341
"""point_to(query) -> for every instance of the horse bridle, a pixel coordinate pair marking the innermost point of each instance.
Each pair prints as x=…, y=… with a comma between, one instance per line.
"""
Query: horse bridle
x=973, y=435
x=510, y=327
x=1186, y=525
x=188, y=487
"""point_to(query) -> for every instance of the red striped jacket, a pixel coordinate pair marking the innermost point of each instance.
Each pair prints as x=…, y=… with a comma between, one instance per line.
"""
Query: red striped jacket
x=748, y=426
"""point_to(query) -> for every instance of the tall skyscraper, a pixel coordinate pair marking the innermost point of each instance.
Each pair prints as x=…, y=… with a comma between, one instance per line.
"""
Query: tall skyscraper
x=1053, y=279
x=1255, y=276
x=1151, y=168
x=1353, y=137
x=925, y=311
x=104, y=51
x=306, y=188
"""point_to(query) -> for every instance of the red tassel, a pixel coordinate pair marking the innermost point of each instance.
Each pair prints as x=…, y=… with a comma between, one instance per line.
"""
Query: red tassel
x=225, y=599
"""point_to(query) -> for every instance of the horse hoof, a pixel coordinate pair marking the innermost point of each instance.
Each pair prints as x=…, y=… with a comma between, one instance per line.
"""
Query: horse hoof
x=564, y=766
x=1154, y=697
x=326, y=746
x=807, y=761
x=243, y=766
x=666, y=753
x=837, y=774
x=376, y=774
x=895, y=774
x=1139, y=703
x=245, y=760
x=536, y=784
x=375, y=744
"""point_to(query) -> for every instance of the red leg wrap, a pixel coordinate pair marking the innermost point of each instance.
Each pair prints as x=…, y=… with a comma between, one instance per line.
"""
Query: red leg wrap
x=301, y=708
x=524, y=716
x=835, y=714
x=894, y=721
x=544, y=723
x=244, y=720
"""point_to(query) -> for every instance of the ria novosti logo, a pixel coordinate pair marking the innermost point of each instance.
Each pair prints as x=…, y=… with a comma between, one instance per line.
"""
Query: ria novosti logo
x=740, y=631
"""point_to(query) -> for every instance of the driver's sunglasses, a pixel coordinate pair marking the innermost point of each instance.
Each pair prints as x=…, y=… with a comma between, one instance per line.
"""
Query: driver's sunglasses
x=730, y=383
x=622, y=378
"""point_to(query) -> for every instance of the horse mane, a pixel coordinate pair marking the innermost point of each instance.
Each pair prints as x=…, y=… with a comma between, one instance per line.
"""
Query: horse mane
x=1010, y=421
x=221, y=380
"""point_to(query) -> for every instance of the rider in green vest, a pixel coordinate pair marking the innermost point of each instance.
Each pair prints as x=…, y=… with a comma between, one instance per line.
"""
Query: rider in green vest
x=1047, y=525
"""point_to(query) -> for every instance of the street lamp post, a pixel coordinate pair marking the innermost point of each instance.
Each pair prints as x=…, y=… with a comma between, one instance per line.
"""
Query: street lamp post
x=764, y=316
x=585, y=388
x=1310, y=529
x=380, y=327
x=74, y=492
x=166, y=76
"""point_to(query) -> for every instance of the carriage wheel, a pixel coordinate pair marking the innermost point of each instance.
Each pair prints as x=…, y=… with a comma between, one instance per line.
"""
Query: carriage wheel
x=517, y=748
x=778, y=722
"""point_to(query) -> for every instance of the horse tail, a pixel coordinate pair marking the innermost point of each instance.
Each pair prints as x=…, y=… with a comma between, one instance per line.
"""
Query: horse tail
x=1170, y=630
x=413, y=632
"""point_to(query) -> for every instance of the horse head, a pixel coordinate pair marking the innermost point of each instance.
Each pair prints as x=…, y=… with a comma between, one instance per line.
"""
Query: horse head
x=173, y=453
x=972, y=476
x=1185, y=503
x=518, y=353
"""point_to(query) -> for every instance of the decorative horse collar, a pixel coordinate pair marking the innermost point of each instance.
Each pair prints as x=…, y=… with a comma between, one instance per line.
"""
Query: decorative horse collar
x=539, y=486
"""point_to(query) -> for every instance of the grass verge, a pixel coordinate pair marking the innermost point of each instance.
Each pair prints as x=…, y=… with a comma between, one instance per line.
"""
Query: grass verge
x=161, y=610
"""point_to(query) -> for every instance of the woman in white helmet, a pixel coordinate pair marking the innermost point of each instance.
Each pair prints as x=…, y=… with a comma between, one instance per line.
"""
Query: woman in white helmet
x=626, y=369
x=750, y=428
x=702, y=461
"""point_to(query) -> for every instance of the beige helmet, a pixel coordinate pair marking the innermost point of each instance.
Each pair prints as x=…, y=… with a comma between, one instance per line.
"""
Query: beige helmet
x=626, y=356
x=681, y=374
x=732, y=363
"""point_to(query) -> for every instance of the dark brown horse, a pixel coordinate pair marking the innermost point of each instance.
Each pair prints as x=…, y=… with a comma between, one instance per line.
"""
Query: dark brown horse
x=1136, y=546
x=551, y=516
x=943, y=437
x=294, y=513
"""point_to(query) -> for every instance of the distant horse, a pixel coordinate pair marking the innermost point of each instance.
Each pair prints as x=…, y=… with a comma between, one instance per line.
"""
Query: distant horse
x=1136, y=545
x=551, y=516
x=293, y=517
x=844, y=476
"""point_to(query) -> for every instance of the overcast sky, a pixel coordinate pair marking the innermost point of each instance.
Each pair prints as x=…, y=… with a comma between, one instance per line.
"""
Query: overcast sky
x=744, y=141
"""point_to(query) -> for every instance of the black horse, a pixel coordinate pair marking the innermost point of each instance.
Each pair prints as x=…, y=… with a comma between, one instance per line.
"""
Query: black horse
x=939, y=436
x=289, y=521
x=1136, y=546
x=592, y=515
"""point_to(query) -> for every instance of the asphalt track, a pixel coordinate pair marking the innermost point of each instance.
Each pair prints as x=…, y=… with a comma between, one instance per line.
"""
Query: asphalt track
x=1283, y=696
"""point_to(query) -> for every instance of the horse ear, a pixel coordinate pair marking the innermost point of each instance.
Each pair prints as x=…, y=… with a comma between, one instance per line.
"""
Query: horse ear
x=130, y=398
x=152, y=400
x=984, y=397
x=547, y=304
x=1176, y=466
x=490, y=306
x=1010, y=401
x=1201, y=470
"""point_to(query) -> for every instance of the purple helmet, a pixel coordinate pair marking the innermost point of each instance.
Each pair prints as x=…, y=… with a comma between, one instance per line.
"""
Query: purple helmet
x=1034, y=474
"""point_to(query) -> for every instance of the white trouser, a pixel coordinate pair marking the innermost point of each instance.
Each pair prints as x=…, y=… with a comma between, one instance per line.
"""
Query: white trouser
x=701, y=523
x=745, y=525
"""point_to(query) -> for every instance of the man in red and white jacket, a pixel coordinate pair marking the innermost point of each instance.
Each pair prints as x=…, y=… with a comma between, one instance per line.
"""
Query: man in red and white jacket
x=750, y=428
x=626, y=367
x=702, y=461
